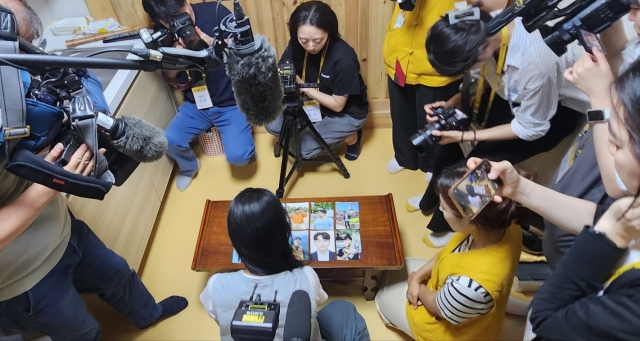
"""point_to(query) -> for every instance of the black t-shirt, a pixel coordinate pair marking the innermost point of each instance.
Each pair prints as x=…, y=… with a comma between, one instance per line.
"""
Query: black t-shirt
x=218, y=83
x=340, y=76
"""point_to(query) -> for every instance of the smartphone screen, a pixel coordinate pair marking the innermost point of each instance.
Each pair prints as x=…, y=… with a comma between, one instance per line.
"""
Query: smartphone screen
x=474, y=190
x=589, y=40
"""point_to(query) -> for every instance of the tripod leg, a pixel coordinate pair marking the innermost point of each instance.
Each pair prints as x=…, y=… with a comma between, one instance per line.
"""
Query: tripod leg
x=334, y=158
x=285, y=138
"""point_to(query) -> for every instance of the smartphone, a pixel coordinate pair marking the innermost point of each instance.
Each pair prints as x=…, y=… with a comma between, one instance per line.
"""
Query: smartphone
x=474, y=190
x=589, y=40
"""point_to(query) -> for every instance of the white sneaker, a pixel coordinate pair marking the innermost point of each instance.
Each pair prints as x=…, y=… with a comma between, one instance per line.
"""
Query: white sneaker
x=393, y=166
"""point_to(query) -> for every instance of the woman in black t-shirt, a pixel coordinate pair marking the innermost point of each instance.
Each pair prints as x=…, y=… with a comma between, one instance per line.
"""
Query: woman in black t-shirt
x=339, y=107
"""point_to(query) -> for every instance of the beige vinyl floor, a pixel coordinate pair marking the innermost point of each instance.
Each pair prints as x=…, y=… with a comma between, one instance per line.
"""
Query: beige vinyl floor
x=166, y=269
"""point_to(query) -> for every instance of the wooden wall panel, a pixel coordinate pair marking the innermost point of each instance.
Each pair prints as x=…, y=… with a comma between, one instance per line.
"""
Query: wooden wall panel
x=362, y=23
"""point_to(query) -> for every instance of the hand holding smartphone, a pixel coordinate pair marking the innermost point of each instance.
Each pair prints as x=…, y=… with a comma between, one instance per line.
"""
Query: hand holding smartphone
x=474, y=190
x=589, y=40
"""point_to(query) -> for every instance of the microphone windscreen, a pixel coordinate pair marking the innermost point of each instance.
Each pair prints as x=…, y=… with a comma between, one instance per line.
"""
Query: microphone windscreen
x=297, y=324
x=141, y=141
x=256, y=83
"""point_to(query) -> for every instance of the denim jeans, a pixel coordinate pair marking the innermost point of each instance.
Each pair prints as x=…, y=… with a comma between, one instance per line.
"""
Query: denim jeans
x=189, y=122
x=340, y=321
x=54, y=306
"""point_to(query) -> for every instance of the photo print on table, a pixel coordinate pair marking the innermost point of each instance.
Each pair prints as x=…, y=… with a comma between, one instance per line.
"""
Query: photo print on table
x=348, y=215
x=322, y=215
x=323, y=247
x=235, y=258
x=300, y=244
x=299, y=215
x=348, y=245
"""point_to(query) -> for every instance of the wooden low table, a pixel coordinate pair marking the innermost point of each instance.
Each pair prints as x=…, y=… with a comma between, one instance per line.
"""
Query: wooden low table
x=380, y=239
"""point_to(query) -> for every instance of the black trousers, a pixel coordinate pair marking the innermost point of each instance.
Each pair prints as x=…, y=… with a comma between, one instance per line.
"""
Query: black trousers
x=408, y=116
x=563, y=124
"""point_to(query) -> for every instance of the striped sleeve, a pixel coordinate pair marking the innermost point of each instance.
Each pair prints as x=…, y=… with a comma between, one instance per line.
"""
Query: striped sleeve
x=462, y=298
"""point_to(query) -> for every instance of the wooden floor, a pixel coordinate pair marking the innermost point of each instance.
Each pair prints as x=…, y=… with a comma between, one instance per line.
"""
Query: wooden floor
x=167, y=270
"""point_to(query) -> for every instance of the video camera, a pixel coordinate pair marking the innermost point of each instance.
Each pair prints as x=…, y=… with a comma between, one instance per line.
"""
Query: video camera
x=590, y=15
x=180, y=27
x=257, y=320
x=290, y=87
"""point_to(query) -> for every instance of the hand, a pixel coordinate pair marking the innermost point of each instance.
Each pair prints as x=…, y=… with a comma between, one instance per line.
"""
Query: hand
x=207, y=39
x=621, y=222
x=179, y=44
x=428, y=108
x=446, y=137
x=503, y=170
x=591, y=74
x=413, y=292
x=81, y=162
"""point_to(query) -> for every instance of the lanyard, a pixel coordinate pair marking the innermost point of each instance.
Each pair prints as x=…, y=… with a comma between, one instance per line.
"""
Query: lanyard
x=304, y=66
x=499, y=71
x=622, y=270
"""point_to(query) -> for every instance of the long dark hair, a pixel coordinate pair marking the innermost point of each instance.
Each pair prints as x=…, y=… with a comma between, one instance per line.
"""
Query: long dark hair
x=627, y=86
x=493, y=217
x=317, y=14
x=260, y=230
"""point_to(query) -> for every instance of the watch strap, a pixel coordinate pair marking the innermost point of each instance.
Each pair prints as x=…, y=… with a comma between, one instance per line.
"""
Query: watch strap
x=598, y=115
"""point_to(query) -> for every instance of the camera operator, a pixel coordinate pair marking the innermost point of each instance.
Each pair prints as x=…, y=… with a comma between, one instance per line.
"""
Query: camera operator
x=48, y=258
x=221, y=111
x=535, y=107
x=321, y=56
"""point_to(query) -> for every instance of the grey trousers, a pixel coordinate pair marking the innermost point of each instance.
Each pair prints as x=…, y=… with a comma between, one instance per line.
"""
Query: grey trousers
x=340, y=321
x=333, y=129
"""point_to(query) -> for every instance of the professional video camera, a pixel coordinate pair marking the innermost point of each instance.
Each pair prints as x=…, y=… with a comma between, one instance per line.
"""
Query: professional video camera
x=180, y=27
x=448, y=119
x=257, y=320
x=589, y=15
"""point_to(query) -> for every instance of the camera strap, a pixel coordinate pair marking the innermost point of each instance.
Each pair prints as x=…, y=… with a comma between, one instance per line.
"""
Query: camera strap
x=12, y=106
x=83, y=121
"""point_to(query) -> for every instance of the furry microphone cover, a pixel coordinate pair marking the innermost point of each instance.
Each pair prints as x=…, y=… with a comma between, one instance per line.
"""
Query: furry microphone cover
x=256, y=83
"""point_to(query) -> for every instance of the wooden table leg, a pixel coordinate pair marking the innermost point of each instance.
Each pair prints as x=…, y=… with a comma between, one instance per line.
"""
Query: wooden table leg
x=370, y=284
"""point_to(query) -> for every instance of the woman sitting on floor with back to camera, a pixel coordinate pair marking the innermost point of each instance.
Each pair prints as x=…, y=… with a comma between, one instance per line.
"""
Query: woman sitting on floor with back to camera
x=321, y=56
x=461, y=293
x=260, y=231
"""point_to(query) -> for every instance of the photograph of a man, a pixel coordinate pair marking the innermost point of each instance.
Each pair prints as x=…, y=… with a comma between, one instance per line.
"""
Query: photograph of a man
x=299, y=220
x=322, y=222
x=349, y=248
x=323, y=245
x=300, y=245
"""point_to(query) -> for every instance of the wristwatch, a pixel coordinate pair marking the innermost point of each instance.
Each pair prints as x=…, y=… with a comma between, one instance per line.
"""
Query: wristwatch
x=599, y=115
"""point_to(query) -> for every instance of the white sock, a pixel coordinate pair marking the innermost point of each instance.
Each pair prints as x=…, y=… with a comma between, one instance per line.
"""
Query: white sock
x=415, y=202
x=429, y=176
x=440, y=239
x=393, y=166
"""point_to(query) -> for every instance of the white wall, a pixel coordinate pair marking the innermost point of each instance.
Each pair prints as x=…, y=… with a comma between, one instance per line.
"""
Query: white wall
x=52, y=10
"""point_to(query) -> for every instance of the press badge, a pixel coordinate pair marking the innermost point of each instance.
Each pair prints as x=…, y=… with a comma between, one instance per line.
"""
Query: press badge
x=312, y=108
x=201, y=96
x=399, y=20
x=466, y=148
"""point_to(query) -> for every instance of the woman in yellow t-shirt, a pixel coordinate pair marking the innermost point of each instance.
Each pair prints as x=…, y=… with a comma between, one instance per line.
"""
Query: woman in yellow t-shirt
x=462, y=293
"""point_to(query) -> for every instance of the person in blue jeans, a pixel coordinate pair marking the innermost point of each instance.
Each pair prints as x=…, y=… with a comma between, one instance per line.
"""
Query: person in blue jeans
x=48, y=258
x=193, y=119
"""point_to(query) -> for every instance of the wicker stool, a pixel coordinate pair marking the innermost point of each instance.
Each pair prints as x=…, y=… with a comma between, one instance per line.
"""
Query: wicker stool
x=211, y=142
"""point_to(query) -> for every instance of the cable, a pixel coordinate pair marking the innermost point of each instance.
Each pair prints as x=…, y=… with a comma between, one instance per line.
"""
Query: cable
x=107, y=51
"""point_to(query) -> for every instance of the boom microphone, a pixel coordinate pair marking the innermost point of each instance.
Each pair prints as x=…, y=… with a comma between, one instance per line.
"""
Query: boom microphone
x=138, y=139
x=256, y=83
x=297, y=325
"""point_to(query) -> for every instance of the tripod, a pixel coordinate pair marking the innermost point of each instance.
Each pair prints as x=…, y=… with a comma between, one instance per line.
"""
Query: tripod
x=289, y=142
